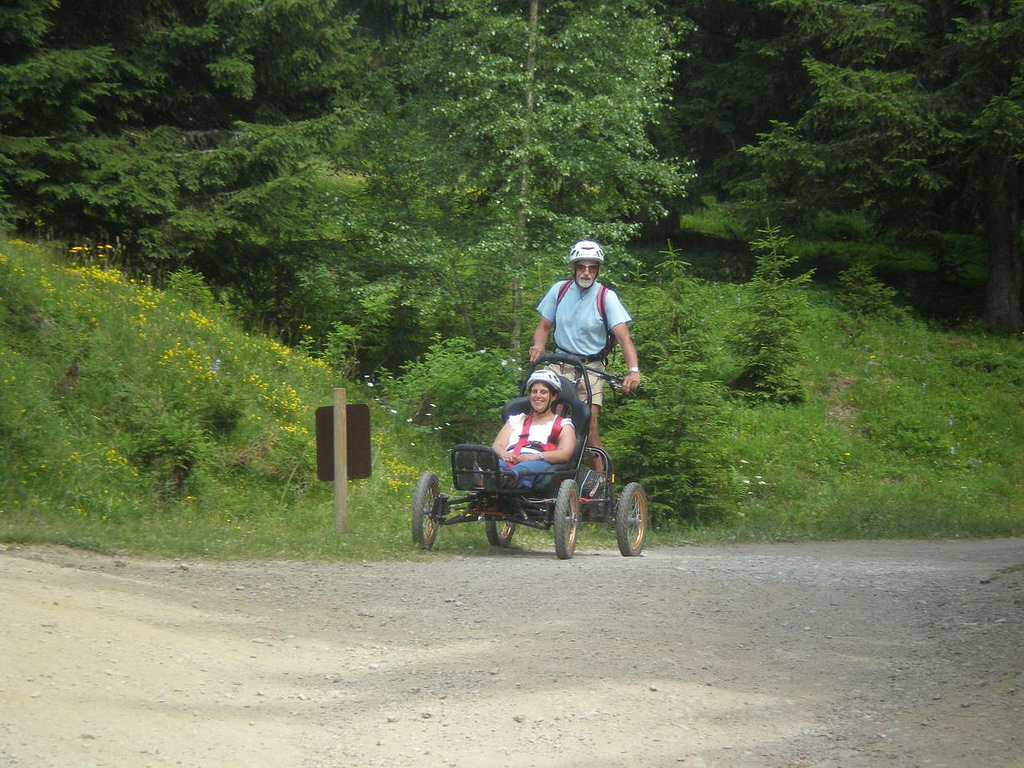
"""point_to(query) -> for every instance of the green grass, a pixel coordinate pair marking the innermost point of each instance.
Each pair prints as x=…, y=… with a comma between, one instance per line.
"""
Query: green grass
x=121, y=431
x=907, y=432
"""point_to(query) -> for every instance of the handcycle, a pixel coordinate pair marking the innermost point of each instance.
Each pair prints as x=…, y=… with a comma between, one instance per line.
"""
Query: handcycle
x=560, y=499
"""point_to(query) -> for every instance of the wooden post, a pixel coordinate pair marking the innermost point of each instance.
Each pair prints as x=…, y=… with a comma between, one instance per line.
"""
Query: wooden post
x=340, y=459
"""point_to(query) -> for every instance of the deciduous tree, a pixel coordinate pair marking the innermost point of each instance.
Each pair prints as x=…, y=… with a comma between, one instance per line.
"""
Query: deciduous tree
x=539, y=126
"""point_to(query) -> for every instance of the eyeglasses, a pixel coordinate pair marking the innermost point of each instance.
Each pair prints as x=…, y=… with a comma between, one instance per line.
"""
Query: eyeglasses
x=588, y=268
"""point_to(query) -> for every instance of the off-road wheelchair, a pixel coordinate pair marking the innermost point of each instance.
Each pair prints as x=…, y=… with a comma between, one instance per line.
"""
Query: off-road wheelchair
x=560, y=498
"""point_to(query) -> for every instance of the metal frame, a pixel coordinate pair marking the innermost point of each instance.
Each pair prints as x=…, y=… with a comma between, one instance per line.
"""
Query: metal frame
x=557, y=503
x=522, y=506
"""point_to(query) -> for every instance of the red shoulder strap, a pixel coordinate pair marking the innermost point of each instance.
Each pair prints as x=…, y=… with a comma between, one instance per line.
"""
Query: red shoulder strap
x=556, y=430
x=562, y=290
x=524, y=438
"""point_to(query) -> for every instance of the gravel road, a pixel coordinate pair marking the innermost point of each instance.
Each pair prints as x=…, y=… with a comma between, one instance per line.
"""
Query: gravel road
x=811, y=654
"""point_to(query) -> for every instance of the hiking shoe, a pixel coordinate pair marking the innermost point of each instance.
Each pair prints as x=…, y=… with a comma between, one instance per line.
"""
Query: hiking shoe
x=593, y=485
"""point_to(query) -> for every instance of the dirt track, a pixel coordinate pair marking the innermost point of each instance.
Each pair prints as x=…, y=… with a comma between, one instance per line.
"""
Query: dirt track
x=819, y=654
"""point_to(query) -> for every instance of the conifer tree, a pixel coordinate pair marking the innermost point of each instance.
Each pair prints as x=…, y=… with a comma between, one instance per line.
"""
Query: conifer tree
x=918, y=116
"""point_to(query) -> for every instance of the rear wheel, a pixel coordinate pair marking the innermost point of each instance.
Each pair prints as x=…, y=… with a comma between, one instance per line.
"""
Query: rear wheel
x=424, y=527
x=499, y=532
x=567, y=519
x=631, y=520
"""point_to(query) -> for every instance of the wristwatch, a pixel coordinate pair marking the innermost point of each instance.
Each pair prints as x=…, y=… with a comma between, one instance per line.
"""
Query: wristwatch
x=634, y=369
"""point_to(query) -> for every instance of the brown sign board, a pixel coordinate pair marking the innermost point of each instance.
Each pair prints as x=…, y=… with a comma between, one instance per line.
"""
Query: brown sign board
x=357, y=423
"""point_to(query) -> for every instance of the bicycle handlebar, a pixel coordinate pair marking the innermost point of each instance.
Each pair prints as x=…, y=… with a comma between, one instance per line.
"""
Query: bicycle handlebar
x=613, y=379
x=556, y=357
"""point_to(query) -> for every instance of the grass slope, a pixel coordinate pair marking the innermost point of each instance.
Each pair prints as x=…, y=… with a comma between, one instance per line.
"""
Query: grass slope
x=907, y=432
x=145, y=420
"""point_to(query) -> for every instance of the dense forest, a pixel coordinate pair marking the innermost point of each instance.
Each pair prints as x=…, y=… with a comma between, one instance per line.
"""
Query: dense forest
x=389, y=186
x=368, y=176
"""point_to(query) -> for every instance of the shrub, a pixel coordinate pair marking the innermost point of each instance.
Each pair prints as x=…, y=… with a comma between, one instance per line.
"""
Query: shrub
x=170, y=443
x=457, y=390
x=767, y=338
x=863, y=295
x=670, y=437
x=341, y=352
x=190, y=287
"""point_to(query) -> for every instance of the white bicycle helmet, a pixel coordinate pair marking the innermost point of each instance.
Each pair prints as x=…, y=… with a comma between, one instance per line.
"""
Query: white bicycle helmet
x=586, y=250
x=545, y=376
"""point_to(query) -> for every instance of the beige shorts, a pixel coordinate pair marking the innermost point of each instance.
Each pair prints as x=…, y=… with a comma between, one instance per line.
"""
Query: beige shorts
x=596, y=382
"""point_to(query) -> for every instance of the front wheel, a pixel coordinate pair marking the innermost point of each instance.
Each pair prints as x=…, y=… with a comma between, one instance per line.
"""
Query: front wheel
x=424, y=526
x=631, y=520
x=567, y=519
x=499, y=532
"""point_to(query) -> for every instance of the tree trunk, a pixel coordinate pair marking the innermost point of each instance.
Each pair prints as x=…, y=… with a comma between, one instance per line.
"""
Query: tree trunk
x=524, y=184
x=1003, y=291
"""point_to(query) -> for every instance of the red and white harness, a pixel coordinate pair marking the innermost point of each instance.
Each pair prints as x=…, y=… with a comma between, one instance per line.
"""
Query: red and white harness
x=524, y=439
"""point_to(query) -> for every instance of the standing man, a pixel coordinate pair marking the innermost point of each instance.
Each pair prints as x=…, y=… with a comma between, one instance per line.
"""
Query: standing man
x=572, y=307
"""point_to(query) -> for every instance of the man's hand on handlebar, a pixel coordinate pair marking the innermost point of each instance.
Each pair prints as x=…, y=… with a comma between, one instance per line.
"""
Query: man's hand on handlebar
x=630, y=381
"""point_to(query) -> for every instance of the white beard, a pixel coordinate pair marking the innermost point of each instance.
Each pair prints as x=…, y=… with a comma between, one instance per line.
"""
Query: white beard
x=585, y=280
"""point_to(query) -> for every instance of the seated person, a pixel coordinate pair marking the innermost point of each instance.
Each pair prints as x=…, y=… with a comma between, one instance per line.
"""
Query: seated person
x=529, y=443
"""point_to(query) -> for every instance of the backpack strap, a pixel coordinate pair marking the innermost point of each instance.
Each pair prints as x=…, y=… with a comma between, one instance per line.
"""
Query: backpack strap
x=562, y=290
x=602, y=294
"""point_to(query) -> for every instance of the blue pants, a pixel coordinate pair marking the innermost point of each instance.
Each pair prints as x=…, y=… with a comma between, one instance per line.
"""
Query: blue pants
x=524, y=471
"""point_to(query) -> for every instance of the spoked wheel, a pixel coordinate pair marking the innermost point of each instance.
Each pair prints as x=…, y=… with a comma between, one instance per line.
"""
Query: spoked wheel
x=567, y=519
x=499, y=532
x=424, y=527
x=631, y=520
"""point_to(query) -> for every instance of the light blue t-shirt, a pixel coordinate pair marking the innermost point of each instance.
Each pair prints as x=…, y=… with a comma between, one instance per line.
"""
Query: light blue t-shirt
x=579, y=329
